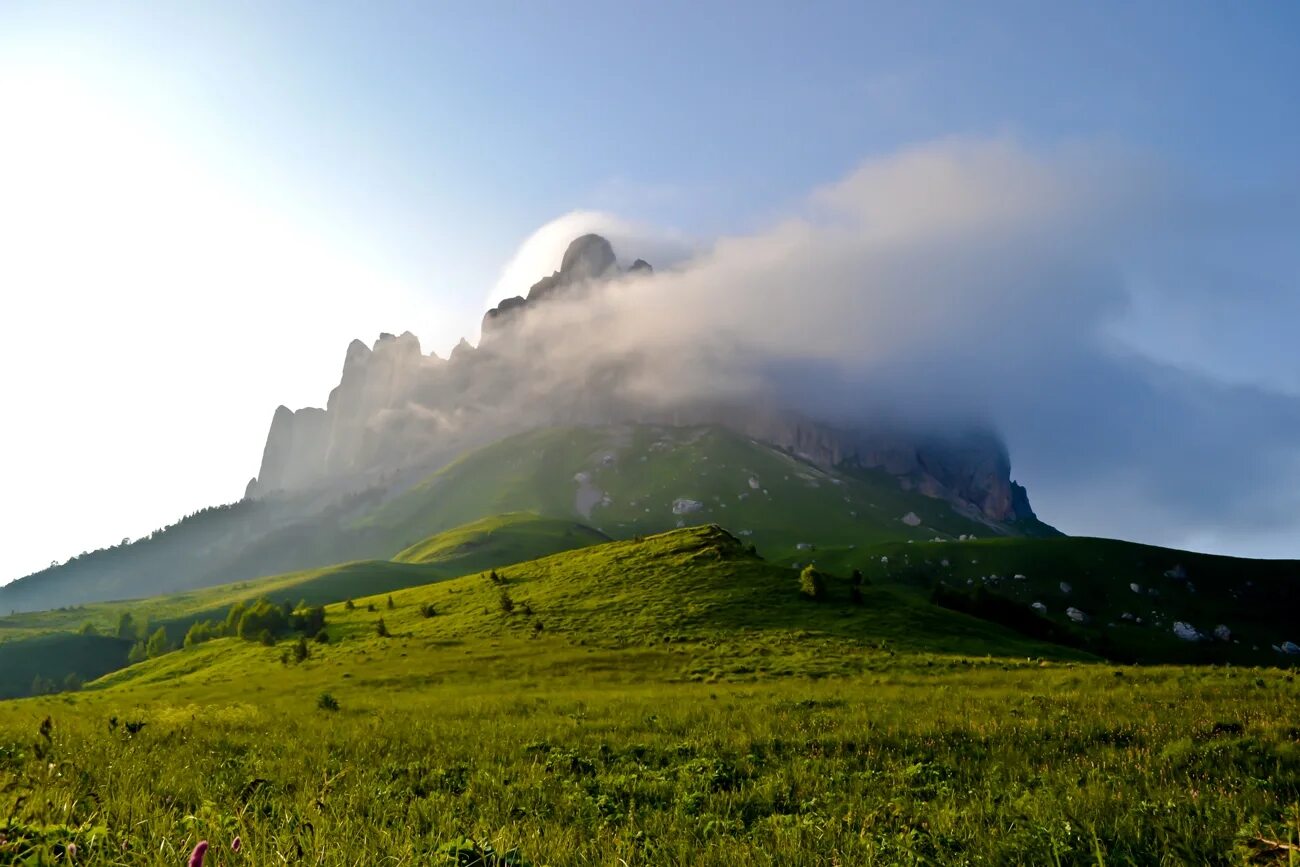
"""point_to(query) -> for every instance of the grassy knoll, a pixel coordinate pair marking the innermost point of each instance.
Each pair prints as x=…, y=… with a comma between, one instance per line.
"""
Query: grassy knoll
x=672, y=700
x=49, y=643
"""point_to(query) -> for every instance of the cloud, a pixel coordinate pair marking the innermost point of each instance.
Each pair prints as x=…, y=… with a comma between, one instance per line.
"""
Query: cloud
x=540, y=253
x=966, y=280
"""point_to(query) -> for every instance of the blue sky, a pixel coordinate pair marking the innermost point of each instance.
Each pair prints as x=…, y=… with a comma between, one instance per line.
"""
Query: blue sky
x=416, y=145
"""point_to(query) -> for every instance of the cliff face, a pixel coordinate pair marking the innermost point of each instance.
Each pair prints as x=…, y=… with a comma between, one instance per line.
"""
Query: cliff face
x=395, y=408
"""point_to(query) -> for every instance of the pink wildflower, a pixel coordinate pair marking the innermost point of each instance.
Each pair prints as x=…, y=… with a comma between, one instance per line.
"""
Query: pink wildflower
x=71, y=849
x=236, y=844
x=196, y=857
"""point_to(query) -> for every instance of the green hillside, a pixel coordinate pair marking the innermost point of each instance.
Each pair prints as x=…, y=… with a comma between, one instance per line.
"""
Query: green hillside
x=49, y=643
x=1130, y=596
x=639, y=479
x=671, y=700
x=624, y=480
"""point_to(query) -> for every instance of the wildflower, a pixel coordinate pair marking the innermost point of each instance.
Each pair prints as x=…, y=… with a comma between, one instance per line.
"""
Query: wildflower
x=71, y=850
x=236, y=844
x=196, y=857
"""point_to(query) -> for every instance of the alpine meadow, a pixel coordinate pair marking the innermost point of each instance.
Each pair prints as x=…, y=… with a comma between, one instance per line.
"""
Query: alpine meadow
x=889, y=456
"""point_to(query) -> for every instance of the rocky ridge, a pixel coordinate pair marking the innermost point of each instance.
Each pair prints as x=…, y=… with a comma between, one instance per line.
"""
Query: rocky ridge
x=396, y=408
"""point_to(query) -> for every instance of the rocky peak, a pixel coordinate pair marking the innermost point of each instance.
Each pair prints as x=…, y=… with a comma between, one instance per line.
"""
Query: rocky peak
x=589, y=258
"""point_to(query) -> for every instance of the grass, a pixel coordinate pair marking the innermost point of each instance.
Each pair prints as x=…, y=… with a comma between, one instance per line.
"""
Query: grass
x=683, y=703
x=1255, y=599
x=46, y=643
x=634, y=475
x=578, y=756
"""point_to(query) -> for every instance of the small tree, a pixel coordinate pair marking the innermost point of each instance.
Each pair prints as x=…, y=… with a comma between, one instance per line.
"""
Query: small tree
x=300, y=651
x=812, y=583
x=855, y=586
x=390, y=604
x=325, y=701
x=72, y=683
x=381, y=628
x=503, y=599
x=427, y=610
x=126, y=626
x=349, y=606
x=158, y=643
x=137, y=654
x=89, y=628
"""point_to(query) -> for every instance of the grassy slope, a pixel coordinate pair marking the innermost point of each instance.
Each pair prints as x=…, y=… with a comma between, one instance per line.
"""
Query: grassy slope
x=693, y=593
x=636, y=473
x=595, y=741
x=1255, y=599
x=43, y=642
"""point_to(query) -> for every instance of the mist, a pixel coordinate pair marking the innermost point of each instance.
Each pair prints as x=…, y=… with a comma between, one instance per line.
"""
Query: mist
x=956, y=282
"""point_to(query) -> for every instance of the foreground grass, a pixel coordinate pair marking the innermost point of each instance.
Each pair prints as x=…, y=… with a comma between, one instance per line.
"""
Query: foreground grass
x=584, y=756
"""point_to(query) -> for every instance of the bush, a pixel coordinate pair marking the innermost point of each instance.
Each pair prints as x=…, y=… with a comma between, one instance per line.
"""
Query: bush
x=126, y=626
x=300, y=651
x=427, y=610
x=322, y=637
x=204, y=630
x=390, y=604
x=349, y=605
x=812, y=583
x=262, y=616
x=505, y=601
x=325, y=701
x=381, y=628
x=158, y=643
x=89, y=628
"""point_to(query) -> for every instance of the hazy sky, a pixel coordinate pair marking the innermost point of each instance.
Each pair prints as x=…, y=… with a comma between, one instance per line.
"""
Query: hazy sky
x=200, y=205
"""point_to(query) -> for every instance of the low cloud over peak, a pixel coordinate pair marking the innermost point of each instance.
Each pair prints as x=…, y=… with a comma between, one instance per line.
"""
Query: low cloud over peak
x=966, y=279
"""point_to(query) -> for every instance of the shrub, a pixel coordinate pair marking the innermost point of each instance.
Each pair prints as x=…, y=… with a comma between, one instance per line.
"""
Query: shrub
x=427, y=610
x=300, y=651
x=381, y=628
x=390, y=604
x=157, y=644
x=88, y=628
x=349, y=605
x=266, y=639
x=322, y=637
x=308, y=619
x=126, y=626
x=503, y=599
x=204, y=630
x=812, y=583
x=325, y=701
x=262, y=616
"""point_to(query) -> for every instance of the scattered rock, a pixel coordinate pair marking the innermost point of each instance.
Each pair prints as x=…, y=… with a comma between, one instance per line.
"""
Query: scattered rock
x=1126, y=616
x=1178, y=573
x=1223, y=633
x=1019, y=577
x=1076, y=615
x=1066, y=588
x=911, y=519
x=803, y=546
x=1039, y=607
x=754, y=483
x=1186, y=631
x=1291, y=648
x=884, y=560
x=685, y=506
x=1135, y=587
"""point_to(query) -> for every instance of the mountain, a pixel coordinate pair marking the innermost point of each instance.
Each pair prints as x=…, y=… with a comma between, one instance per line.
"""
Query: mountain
x=398, y=416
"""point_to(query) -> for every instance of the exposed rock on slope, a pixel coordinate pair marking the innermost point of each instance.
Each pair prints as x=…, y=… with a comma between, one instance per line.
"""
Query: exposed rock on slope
x=395, y=408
